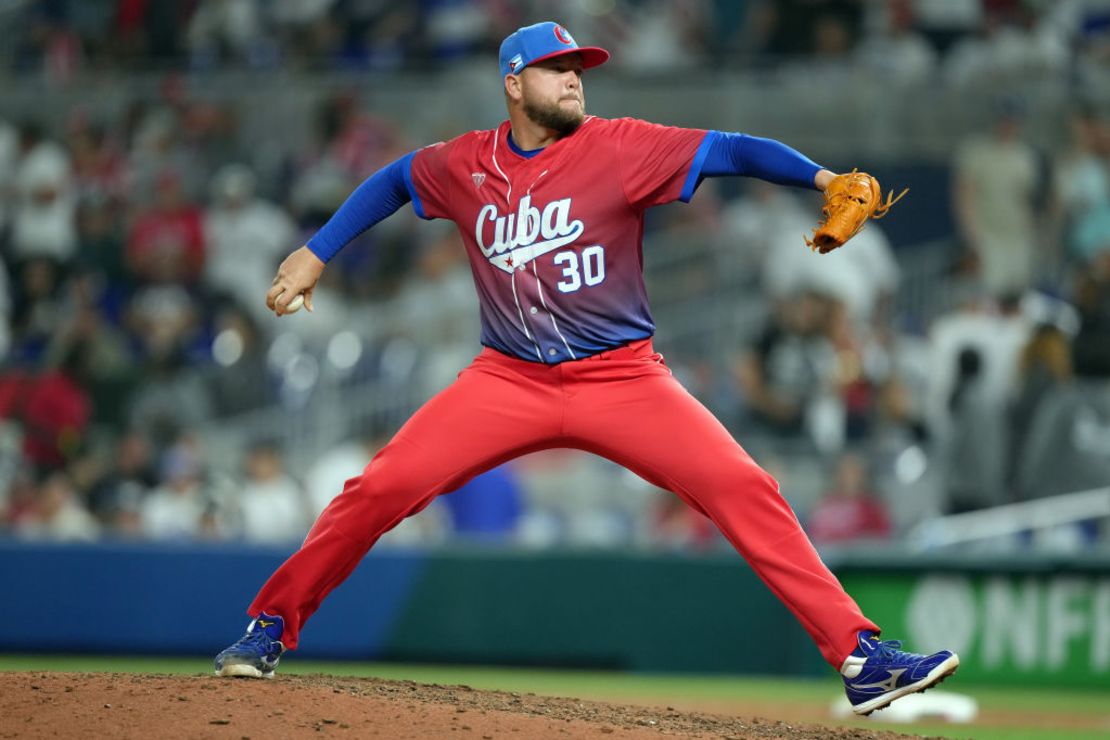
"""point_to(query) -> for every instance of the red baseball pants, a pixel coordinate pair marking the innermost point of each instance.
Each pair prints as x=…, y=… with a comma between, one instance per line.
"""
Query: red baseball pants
x=623, y=405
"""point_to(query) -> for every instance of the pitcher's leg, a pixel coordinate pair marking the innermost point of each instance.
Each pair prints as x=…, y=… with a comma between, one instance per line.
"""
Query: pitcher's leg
x=652, y=426
x=480, y=421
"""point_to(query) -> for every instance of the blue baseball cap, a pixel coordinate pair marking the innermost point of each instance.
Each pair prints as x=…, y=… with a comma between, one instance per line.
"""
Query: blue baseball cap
x=541, y=41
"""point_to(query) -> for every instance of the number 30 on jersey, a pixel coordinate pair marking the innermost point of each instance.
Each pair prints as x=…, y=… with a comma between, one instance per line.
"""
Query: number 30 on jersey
x=589, y=269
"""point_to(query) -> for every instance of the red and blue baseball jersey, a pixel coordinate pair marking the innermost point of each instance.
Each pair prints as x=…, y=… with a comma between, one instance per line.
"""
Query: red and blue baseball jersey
x=555, y=239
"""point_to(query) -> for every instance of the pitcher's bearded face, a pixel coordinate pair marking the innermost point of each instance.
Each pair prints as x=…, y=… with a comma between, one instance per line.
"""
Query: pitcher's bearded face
x=552, y=94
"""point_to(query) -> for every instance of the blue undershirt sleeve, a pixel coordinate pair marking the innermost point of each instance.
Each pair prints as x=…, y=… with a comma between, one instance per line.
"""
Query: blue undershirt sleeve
x=378, y=197
x=752, y=156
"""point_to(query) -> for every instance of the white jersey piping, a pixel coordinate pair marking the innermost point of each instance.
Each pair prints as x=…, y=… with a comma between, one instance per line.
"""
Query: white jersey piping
x=539, y=287
x=509, y=205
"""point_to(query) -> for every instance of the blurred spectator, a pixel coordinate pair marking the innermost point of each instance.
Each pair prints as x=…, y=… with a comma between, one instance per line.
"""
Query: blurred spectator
x=947, y=19
x=100, y=252
x=996, y=332
x=5, y=311
x=861, y=278
x=351, y=145
x=38, y=307
x=42, y=222
x=58, y=513
x=1044, y=366
x=895, y=49
x=150, y=30
x=974, y=379
x=1009, y=44
x=50, y=47
x=801, y=27
x=299, y=12
x=1045, y=363
x=850, y=510
x=116, y=498
x=92, y=23
x=355, y=141
x=272, y=508
x=166, y=243
x=833, y=40
x=566, y=506
x=790, y=366
x=678, y=526
x=52, y=408
x=246, y=237
x=995, y=180
x=438, y=307
x=1081, y=180
x=9, y=157
x=454, y=28
x=98, y=168
x=164, y=318
x=488, y=507
x=224, y=29
x=662, y=36
x=21, y=504
x=1092, y=234
x=157, y=149
x=209, y=135
x=756, y=225
x=173, y=395
x=326, y=476
x=1091, y=348
x=103, y=350
x=1067, y=446
x=381, y=35
x=179, y=508
x=240, y=379
x=976, y=447
x=1081, y=188
x=868, y=389
x=1085, y=25
x=306, y=28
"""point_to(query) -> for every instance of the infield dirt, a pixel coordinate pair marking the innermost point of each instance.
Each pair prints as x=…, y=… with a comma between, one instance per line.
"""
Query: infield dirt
x=128, y=705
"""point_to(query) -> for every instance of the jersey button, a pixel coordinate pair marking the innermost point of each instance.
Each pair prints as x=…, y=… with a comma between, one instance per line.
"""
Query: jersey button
x=550, y=351
x=534, y=310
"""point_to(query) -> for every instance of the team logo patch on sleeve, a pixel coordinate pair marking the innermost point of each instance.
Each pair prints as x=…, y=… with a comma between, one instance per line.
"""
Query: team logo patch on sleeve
x=478, y=178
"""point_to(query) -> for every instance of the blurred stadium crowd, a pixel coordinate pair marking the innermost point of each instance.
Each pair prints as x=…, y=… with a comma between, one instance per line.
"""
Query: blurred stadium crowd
x=137, y=250
x=904, y=38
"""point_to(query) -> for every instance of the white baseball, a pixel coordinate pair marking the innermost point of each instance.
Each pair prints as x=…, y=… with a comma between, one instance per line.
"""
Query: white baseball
x=295, y=304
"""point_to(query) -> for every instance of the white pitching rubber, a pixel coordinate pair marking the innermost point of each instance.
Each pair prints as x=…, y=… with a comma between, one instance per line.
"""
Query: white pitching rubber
x=242, y=671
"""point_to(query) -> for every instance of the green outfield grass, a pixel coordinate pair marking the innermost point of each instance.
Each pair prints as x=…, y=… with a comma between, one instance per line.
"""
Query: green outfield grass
x=1039, y=710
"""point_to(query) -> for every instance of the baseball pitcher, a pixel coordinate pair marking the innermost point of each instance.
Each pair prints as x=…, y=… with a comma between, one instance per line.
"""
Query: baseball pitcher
x=550, y=206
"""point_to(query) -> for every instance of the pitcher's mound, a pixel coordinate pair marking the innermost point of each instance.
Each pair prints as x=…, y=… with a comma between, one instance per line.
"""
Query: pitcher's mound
x=128, y=705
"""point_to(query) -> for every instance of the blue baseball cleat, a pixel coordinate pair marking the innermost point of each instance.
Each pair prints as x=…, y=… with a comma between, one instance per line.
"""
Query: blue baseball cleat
x=256, y=654
x=877, y=672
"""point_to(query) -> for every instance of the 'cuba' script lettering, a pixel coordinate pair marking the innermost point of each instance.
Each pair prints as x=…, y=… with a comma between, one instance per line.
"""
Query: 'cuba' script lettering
x=517, y=233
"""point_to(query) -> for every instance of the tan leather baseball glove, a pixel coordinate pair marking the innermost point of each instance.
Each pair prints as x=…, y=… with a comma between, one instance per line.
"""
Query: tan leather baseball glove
x=850, y=200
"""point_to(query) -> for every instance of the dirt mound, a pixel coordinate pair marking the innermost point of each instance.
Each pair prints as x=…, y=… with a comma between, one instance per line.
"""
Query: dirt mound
x=127, y=705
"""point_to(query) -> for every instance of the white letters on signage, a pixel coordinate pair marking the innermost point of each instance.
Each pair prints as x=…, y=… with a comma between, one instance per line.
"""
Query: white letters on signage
x=1010, y=619
x=1100, y=626
x=1063, y=621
